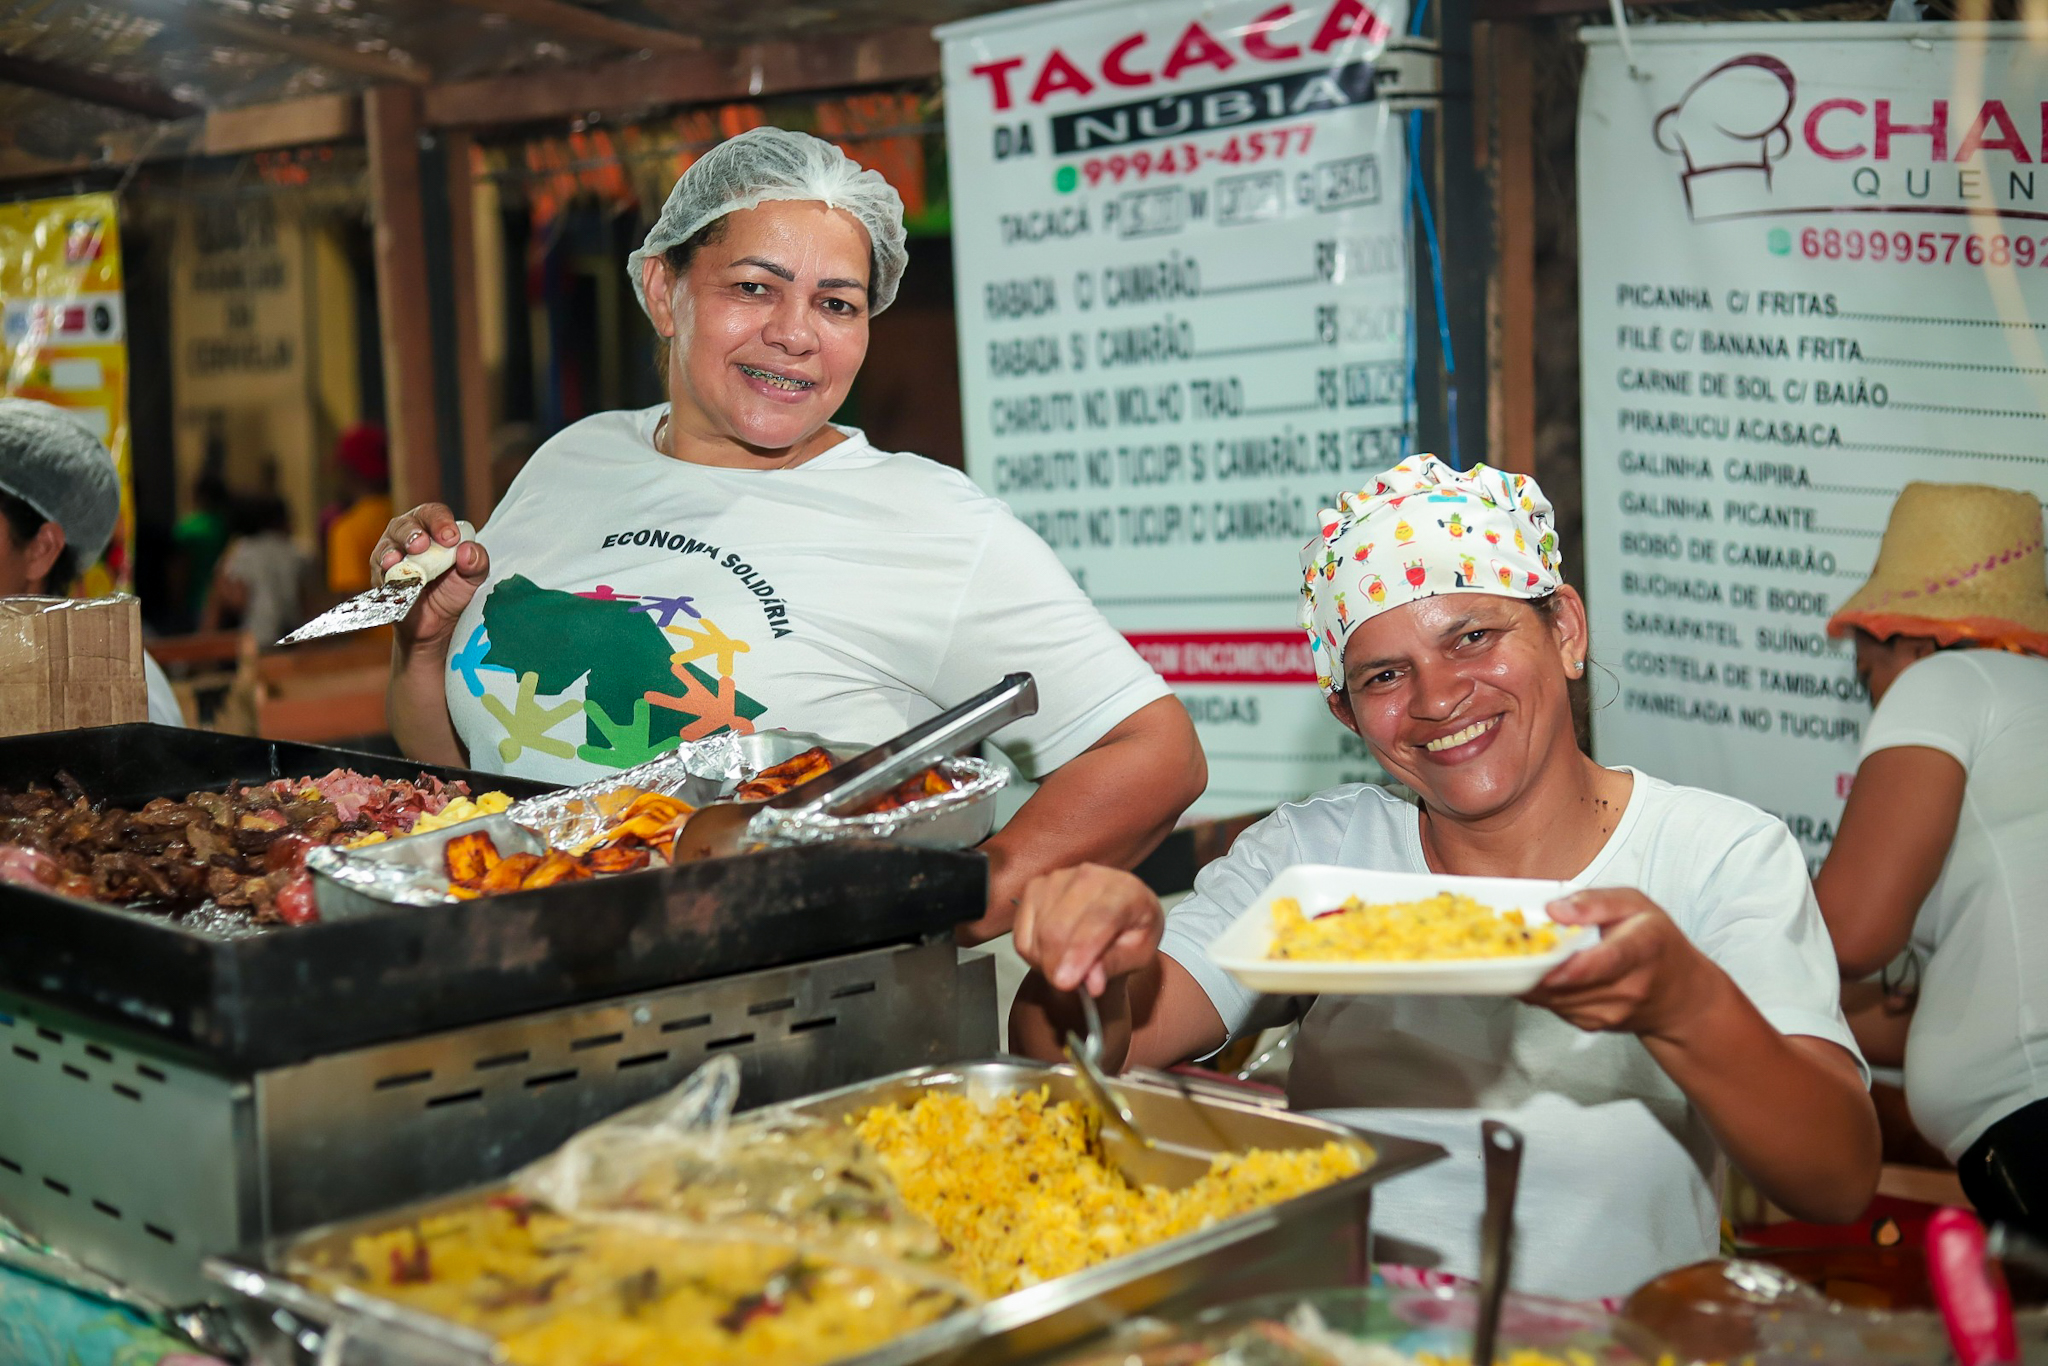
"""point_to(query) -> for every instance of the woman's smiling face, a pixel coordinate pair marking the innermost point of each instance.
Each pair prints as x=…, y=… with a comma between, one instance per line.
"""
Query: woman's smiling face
x=770, y=324
x=1464, y=697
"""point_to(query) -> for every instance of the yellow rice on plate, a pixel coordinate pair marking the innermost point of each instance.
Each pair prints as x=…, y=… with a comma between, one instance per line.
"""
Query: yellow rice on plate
x=1439, y=927
x=557, y=1291
x=1017, y=1187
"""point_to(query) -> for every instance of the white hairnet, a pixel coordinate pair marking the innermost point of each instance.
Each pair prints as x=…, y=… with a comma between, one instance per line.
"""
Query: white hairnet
x=773, y=163
x=52, y=461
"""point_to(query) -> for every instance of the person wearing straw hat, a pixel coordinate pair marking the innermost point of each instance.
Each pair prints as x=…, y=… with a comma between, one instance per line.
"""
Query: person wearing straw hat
x=1942, y=850
x=1702, y=1026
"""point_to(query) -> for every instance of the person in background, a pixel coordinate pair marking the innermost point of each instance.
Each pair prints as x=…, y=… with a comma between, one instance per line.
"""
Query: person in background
x=364, y=458
x=1702, y=1026
x=200, y=536
x=261, y=583
x=60, y=499
x=1942, y=850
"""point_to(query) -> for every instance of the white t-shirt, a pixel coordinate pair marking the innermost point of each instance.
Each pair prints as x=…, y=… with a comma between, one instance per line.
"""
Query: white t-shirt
x=1620, y=1176
x=1978, y=1048
x=635, y=599
x=164, y=709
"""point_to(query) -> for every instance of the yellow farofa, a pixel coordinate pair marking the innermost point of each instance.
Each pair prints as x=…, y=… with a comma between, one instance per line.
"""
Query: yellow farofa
x=557, y=1291
x=457, y=811
x=1014, y=1184
x=1439, y=927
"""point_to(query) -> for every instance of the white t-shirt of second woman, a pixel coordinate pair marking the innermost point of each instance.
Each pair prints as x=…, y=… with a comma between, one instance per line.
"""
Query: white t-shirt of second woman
x=1620, y=1175
x=637, y=601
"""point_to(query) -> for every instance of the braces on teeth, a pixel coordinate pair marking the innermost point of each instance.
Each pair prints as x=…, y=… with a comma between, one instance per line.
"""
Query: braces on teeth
x=779, y=381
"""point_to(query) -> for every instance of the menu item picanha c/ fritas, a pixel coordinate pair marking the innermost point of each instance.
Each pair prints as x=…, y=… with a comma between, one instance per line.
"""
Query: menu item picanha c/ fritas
x=1017, y=1187
x=1443, y=926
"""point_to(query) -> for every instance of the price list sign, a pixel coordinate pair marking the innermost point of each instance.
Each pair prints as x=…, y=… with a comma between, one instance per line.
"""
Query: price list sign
x=1814, y=268
x=1183, y=301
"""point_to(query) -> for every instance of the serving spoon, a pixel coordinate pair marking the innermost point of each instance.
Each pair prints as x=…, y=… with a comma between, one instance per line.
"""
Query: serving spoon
x=1127, y=1147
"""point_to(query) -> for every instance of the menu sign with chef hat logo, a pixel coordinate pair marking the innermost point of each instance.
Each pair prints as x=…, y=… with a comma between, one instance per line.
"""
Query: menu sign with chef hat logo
x=1813, y=267
x=1181, y=258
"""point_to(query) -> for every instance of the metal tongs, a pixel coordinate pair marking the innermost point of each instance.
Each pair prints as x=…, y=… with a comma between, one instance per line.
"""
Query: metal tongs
x=732, y=827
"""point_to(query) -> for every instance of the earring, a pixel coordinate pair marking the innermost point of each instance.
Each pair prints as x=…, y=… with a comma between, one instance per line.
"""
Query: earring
x=1578, y=666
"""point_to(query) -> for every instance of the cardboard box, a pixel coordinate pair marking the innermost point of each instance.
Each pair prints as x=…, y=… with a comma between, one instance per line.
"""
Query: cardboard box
x=70, y=662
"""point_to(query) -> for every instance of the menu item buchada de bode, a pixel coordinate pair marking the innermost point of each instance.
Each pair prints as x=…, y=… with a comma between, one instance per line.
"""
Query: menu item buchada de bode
x=1445, y=926
x=242, y=850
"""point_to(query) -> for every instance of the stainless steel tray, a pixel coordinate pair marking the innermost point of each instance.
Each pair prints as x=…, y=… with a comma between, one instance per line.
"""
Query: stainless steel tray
x=1318, y=1239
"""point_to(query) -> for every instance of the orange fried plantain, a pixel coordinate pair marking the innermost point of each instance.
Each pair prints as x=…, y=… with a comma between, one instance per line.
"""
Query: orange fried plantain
x=773, y=782
x=556, y=867
x=617, y=859
x=510, y=874
x=470, y=857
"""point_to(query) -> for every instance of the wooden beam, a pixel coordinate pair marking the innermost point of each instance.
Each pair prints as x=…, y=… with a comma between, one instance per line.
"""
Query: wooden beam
x=334, y=56
x=392, y=132
x=573, y=21
x=132, y=97
x=288, y=123
x=753, y=72
x=1504, y=50
x=472, y=381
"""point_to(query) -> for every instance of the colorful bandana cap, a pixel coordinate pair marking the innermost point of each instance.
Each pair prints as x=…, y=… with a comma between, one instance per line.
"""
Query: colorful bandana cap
x=1422, y=529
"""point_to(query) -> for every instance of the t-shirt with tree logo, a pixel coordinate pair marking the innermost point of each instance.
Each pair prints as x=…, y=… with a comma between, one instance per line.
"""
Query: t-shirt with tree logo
x=636, y=602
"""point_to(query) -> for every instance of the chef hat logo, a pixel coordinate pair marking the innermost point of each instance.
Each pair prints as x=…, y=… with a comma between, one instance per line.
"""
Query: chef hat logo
x=1731, y=123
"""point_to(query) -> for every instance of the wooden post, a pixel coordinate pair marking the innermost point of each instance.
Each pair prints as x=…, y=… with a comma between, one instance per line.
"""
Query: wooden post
x=1503, y=49
x=392, y=130
x=472, y=384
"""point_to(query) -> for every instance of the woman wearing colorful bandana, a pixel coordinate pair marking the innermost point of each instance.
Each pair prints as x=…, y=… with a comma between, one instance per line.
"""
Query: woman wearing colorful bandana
x=1943, y=846
x=731, y=560
x=1704, y=1023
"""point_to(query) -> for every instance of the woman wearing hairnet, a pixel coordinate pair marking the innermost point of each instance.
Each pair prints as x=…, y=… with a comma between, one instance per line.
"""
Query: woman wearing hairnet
x=59, y=501
x=731, y=560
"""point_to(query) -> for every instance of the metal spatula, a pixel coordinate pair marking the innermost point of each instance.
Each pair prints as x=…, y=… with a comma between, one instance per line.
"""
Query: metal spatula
x=731, y=827
x=388, y=601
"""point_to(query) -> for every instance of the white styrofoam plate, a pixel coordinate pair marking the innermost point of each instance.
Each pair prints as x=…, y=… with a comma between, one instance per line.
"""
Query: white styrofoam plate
x=1241, y=950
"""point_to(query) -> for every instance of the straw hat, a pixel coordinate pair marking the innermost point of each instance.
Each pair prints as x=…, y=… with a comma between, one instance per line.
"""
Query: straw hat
x=1959, y=562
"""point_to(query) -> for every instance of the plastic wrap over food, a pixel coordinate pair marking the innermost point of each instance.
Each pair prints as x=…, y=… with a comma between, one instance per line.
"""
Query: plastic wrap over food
x=681, y=1166
x=670, y=1235
x=411, y=871
x=958, y=819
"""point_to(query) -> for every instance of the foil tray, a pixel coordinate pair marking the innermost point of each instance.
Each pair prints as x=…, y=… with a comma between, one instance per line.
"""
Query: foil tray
x=1316, y=1239
x=409, y=870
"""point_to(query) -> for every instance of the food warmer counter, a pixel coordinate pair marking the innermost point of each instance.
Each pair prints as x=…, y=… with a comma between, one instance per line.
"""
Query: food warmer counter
x=174, y=1092
x=1315, y=1238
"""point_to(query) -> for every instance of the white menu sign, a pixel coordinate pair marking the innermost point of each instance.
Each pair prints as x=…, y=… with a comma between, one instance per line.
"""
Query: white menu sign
x=1814, y=267
x=1178, y=232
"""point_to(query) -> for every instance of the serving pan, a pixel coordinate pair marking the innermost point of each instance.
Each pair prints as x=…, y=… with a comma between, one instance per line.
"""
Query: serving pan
x=1314, y=1239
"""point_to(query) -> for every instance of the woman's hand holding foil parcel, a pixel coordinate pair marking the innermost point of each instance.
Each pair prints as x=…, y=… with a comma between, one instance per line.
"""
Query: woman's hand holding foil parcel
x=432, y=619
